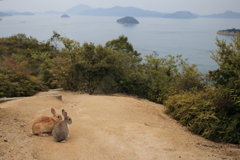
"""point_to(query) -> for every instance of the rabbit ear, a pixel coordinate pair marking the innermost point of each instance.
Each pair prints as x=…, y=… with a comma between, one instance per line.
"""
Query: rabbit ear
x=64, y=113
x=53, y=111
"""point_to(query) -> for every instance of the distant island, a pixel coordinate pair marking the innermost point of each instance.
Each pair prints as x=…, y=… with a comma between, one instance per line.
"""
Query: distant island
x=181, y=15
x=65, y=16
x=11, y=13
x=21, y=13
x=232, y=32
x=227, y=14
x=78, y=9
x=119, y=11
x=137, y=12
x=2, y=14
x=127, y=20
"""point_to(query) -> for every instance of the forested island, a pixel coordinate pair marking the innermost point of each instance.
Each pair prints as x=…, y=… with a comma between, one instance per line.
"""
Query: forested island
x=207, y=104
x=127, y=20
x=232, y=32
x=65, y=16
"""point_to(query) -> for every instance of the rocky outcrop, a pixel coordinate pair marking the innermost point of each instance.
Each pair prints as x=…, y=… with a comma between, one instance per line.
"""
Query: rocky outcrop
x=232, y=32
x=127, y=20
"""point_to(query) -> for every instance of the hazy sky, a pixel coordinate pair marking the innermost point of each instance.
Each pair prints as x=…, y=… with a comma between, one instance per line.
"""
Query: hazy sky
x=202, y=7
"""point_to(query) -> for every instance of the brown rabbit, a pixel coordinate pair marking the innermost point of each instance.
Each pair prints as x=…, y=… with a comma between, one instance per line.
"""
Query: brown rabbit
x=60, y=130
x=45, y=124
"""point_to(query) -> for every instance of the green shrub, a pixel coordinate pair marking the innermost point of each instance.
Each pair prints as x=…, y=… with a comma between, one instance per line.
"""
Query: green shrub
x=201, y=113
x=13, y=84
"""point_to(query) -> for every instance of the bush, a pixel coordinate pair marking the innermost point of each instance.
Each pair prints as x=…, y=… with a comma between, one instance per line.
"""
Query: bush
x=209, y=113
x=13, y=84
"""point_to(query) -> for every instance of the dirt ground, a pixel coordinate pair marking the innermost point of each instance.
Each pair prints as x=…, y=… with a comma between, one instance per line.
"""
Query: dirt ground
x=104, y=128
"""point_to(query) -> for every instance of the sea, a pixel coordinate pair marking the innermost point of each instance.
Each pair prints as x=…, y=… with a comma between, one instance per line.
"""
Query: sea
x=194, y=39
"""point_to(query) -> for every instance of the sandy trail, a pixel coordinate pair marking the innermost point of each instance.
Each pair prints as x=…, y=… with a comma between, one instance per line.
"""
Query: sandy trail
x=104, y=127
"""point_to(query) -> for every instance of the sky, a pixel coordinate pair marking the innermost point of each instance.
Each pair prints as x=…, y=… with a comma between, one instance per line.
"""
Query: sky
x=201, y=7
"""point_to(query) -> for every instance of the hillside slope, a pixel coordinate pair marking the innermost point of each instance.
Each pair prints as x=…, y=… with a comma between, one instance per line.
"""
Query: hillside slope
x=104, y=127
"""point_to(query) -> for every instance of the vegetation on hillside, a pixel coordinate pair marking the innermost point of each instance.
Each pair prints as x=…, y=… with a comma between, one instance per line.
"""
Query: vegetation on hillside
x=214, y=111
x=207, y=104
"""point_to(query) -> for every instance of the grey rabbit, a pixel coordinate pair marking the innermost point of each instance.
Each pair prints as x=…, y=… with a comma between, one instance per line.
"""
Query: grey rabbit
x=60, y=130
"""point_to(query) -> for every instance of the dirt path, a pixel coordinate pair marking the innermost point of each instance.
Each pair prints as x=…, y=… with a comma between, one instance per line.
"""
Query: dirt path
x=104, y=127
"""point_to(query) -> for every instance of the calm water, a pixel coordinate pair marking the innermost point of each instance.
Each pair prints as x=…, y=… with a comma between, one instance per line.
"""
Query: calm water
x=193, y=39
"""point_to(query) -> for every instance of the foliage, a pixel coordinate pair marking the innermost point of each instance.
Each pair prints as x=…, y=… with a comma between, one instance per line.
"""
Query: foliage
x=160, y=73
x=228, y=59
x=122, y=46
x=125, y=61
x=15, y=84
x=188, y=78
x=168, y=76
x=61, y=65
x=214, y=112
x=209, y=105
x=16, y=79
x=23, y=56
x=26, y=49
x=18, y=67
x=80, y=68
x=200, y=112
x=94, y=64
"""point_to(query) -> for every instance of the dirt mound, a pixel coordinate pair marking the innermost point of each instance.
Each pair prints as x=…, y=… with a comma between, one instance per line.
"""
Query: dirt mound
x=104, y=127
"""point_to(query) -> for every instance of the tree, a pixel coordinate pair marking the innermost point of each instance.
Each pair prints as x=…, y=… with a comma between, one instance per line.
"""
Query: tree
x=126, y=60
x=228, y=59
x=161, y=74
x=95, y=63
x=122, y=46
x=81, y=68
x=62, y=65
x=188, y=78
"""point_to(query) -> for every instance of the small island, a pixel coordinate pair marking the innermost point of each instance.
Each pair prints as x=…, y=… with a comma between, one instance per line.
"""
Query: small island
x=232, y=32
x=65, y=16
x=127, y=20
